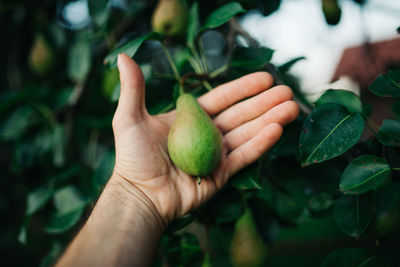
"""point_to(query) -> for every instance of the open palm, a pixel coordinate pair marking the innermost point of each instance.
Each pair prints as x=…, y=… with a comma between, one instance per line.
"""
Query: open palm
x=249, y=128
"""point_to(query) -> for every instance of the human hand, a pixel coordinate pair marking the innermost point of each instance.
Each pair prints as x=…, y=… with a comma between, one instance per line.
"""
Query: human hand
x=250, y=128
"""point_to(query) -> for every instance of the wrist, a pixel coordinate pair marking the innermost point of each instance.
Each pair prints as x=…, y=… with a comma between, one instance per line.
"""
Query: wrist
x=135, y=199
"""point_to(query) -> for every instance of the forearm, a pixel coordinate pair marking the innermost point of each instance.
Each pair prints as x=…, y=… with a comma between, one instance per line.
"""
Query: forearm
x=123, y=230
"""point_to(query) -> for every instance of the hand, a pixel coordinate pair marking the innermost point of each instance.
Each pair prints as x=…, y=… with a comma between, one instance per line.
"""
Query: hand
x=250, y=128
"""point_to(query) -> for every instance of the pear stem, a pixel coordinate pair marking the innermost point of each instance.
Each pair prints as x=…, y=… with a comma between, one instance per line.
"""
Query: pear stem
x=203, y=56
x=218, y=71
x=207, y=85
x=171, y=62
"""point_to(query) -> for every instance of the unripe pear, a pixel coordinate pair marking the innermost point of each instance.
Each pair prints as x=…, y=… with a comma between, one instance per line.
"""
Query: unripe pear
x=332, y=11
x=170, y=18
x=247, y=248
x=41, y=56
x=194, y=142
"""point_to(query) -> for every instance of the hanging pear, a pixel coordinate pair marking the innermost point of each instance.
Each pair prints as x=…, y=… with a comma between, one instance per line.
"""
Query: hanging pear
x=194, y=142
x=332, y=11
x=41, y=56
x=247, y=248
x=170, y=18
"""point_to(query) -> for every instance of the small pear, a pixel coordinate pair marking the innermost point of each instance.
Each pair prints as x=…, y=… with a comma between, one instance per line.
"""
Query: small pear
x=332, y=11
x=194, y=142
x=247, y=248
x=170, y=18
x=41, y=56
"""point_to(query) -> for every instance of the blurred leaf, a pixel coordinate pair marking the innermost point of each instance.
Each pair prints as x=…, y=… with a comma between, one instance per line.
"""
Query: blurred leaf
x=389, y=133
x=104, y=169
x=246, y=178
x=180, y=223
x=51, y=256
x=222, y=15
x=269, y=6
x=61, y=222
x=288, y=65
x=22, y=235
x=110, y=82
x=38, y=198
x=18, y=122
x=253, y=58
x=98, y=11
x=396, y=109
x=348, y=257
x=193, y=24
x=320, y=203
x=387, y=85
x=343, y=97
x=183, y=250
x=58, y=145
x=387, y=216
x=130, y=48
x=61, y=98
x=116, y=93
x=353, y=213
x=363, y=174
x=69, y=199
x=79, y=60
x=328, y=132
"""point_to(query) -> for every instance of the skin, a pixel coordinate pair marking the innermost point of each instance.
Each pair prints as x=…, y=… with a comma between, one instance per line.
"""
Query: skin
x=146, y=191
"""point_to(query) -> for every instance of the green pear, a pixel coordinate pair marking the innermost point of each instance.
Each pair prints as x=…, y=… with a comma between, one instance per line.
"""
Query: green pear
x=170, y=18
x=41, y=56
x=247, y=248
x=194, y=142
x=332, y=11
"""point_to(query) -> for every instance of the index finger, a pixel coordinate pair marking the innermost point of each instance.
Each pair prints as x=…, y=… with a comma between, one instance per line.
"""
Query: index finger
x=229, y=93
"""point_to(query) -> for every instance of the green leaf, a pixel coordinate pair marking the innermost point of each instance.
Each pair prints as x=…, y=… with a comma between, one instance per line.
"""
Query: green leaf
x=183, y=250
x=348, y=257
x=222, y=15
x=51, y=256
x=19, y=122
x=61, y=222
x=180, y=223
x=246, y=178
x=58, y=144
x=193, y=24
x=396, y=109
x=353, y=213
x=363, y=174
x=253, y=58
x=130, y=48
x=328, y=132
x=69, y=199
x=288, y=65
x=343, y=97
x=320, y=203
x=104, y=170
x=387, y=85
x=389, y=133
x=79, y=61
x=37, y=199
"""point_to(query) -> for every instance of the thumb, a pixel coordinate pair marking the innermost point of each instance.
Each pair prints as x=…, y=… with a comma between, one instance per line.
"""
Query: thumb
x=131, y=100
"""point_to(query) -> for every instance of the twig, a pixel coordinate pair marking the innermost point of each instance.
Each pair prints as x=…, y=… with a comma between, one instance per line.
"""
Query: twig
x=239, y=30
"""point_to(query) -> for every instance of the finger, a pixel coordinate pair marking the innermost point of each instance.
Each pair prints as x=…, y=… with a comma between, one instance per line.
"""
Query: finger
x=131, y=105
x=282, y=114
x=250, y=151
x=252, y=108
x=229, y=93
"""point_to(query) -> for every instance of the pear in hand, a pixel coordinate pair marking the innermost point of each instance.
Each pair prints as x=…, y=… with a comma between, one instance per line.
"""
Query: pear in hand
x=194, y=142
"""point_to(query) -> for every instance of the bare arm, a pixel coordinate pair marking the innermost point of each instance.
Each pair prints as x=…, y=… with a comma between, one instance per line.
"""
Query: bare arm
x=123, y=228
x=146, y=191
